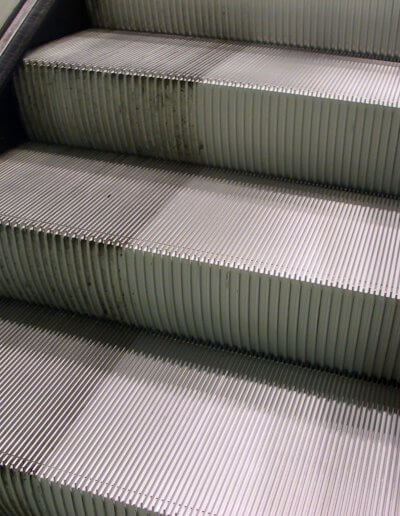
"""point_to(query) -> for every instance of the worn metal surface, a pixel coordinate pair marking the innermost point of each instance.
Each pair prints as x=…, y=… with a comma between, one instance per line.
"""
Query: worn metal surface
x=97, y=417
x=360, y=26
x=277, y=111
x=296, y=271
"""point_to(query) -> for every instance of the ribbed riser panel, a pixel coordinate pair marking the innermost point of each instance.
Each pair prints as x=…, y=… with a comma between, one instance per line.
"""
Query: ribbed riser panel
x=22, y=494
x=361, y=26
x=313, y=324
x=301, y=132
x=97, y=416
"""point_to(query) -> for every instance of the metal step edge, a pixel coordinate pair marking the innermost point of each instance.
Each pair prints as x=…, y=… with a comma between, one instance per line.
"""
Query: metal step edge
x=314, y=324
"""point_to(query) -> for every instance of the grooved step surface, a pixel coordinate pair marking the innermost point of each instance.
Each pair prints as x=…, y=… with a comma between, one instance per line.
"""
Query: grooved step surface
x=361, y=26
x=277, y=111
x=101, y=418
x=290, y=270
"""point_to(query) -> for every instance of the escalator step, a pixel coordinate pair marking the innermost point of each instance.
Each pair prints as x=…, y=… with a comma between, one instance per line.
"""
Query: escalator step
x=100, y=418
x=280, y=268
x=277, y=111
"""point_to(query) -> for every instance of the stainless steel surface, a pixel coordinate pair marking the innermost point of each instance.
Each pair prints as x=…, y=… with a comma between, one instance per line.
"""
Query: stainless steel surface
x=98, y=418
x=296, y=271
x=278, y=111
x=360, y=26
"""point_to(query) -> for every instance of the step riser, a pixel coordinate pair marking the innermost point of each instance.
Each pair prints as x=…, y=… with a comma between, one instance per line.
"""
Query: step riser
x=22, y=493
x=310, y=323
x=285, y=135
x=367, y=27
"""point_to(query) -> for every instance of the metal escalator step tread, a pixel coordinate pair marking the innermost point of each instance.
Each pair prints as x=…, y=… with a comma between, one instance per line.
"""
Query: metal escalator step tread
x=284, y=269
x=276, y=111
x=100, y=418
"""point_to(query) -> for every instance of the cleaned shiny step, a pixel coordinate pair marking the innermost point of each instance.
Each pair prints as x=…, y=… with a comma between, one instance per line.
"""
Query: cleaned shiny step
x=99, y=418
x=362, y=26
x=277, y=111
x=284, y=269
